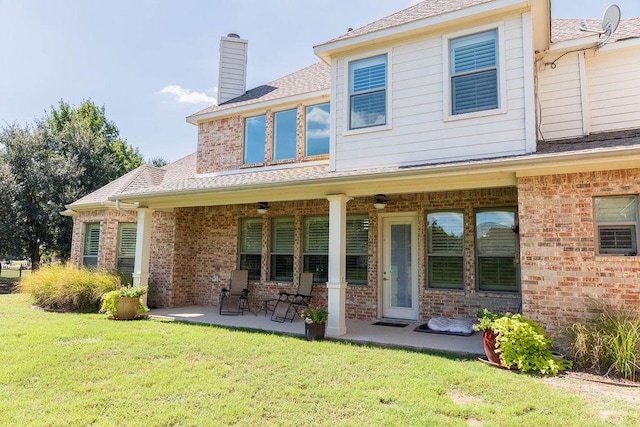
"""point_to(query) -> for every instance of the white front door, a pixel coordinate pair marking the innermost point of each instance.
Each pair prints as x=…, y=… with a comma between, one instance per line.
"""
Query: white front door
x=400, y=267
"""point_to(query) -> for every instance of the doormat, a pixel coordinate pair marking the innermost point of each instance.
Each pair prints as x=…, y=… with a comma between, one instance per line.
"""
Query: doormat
x=394, y=324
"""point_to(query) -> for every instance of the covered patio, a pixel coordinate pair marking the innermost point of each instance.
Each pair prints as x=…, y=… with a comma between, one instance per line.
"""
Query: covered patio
x=358, y=331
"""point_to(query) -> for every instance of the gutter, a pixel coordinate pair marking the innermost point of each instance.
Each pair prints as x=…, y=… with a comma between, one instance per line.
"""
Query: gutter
x=125, y=213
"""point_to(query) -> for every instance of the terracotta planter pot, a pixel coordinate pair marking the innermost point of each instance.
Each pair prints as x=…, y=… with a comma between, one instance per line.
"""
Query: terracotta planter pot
x=489, y=344
x=127, y=308
x=314, y=331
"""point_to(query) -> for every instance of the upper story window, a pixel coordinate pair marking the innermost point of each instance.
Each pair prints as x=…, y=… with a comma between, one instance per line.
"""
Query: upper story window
x=496, y=250
x=445, y=250
x=254, y=139
x=317, y=130
x=91, y=244
x=127, y=232
x=368, y=92
x=617, y=225
x=284, y=135
x=474, y=72
x=251, y=246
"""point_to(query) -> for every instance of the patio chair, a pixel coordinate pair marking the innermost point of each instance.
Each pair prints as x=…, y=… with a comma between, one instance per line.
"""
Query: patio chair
x=288, y=305
x=235, y=300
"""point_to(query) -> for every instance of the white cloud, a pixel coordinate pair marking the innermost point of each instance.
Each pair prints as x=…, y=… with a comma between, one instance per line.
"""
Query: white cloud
x=187, y=96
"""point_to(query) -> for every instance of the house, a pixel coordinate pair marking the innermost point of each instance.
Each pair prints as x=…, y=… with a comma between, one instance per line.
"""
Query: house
x=450, y=157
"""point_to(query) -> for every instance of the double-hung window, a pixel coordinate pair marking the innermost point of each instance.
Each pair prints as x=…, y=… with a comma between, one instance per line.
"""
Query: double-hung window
x=445, y=249
x=496, y=250
x=254, y=139
x=474, y=72
x=282, y=241
x=317, y=130
x=315, y=255
x=617, y=225
x=251, y=246
x=91, y=244
x=126, y=250
x=368, y=92
x=284, y=135
x=357, y=248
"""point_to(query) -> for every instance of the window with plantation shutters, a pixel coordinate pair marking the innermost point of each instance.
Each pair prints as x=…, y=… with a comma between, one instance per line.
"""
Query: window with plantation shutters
x=357, y=248
x=445, y=246
x=315, y=256
x=91, y=244
x=474, y=72
x=282, y=241
x=367, y=92
x=617, y=225
x=496, y=250
x=251, y=246
x=126, y=250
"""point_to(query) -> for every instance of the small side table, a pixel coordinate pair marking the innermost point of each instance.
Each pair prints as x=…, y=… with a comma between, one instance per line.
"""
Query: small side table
x=266, y=302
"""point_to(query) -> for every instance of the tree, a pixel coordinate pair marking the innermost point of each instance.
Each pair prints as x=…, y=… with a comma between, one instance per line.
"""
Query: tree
x=158, y=162
x=54, y=161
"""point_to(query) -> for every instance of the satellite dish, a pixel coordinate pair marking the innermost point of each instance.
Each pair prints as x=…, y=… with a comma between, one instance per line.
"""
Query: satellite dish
x=610, y=20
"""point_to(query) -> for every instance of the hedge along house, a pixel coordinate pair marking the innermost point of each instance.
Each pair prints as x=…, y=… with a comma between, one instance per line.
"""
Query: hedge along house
x=440, y=160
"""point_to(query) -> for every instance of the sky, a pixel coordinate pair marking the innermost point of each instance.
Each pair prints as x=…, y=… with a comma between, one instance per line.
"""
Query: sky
x=151, y=63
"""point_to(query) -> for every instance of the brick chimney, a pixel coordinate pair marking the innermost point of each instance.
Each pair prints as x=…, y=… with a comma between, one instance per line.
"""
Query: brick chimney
x=232, y=75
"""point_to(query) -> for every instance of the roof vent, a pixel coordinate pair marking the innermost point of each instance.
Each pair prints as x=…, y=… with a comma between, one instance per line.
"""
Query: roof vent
x=233, y=35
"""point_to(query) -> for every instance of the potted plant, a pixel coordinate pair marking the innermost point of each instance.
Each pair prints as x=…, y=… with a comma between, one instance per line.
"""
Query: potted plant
x=124, y=303
x=513, y=341
x=315, y=320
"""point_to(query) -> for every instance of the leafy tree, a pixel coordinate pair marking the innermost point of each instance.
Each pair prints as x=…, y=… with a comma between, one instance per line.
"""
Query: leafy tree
x=158, y=162
x=54, y=161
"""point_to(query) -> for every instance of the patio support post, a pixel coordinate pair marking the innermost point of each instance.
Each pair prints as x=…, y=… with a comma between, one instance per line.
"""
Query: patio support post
x=143, y=249
x=337, y=284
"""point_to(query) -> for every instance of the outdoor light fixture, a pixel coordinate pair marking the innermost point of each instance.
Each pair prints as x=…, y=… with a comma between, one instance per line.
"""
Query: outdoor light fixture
x=263, y=207
x=380, y=201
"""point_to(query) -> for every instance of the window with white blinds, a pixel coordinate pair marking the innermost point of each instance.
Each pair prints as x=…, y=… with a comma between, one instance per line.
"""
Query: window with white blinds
x=357, y=249
x=445, y=250
x=251, y=246
x=617, y=225
x=126, y=250
x=282, y=241
x=367, y=92
x=315, y=250
x=474, y=72
x=496, y=250
x=91, y=244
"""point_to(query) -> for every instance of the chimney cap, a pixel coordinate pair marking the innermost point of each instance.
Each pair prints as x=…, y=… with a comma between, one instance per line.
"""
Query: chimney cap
x=233, y=35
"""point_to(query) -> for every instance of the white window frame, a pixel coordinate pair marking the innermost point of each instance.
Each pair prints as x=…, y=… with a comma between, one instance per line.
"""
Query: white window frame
x=85, y=253
x=346, y=112
x=604, y=224
x=447, y=113
x=121, y=256
x=242, y=247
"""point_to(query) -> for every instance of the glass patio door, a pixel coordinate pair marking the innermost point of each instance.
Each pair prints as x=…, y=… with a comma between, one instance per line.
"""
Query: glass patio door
x=399, y=268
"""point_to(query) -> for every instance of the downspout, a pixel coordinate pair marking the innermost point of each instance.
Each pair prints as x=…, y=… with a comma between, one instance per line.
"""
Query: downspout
x=125, y=213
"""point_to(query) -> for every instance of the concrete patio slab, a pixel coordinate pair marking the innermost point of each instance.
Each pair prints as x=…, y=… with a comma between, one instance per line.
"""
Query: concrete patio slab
x=357, y=331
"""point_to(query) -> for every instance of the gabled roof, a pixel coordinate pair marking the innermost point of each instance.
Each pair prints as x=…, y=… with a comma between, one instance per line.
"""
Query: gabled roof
x=310, y=79
x=424, y=9
x=563, y=29
x=138, y=180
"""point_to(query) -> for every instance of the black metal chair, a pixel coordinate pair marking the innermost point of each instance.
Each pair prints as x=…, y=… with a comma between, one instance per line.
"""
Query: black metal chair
x=235, y=300
x=288, y=305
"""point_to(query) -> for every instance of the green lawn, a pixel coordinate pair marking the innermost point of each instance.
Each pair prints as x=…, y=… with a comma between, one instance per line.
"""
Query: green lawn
x=81, y=369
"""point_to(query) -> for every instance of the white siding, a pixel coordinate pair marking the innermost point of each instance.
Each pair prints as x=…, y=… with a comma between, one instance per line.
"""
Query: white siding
x=419, y=134
x=612, y=93
x=232, y=72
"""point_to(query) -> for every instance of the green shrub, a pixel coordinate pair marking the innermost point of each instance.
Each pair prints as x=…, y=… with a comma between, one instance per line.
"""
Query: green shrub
x=608, y=343
x=68, y=288
x=110, y=299
x=523, y=344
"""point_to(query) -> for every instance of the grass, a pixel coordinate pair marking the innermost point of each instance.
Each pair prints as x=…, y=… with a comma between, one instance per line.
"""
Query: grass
x=80, y=369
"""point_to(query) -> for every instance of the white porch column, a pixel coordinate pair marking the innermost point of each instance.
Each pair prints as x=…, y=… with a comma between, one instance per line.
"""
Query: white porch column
x=337, y=284
x=143, y=249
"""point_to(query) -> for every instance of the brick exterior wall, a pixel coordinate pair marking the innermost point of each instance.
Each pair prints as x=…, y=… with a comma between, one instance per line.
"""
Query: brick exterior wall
x=561, y=274
x=206, y=246
x=221, y=143
x=161, y=260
